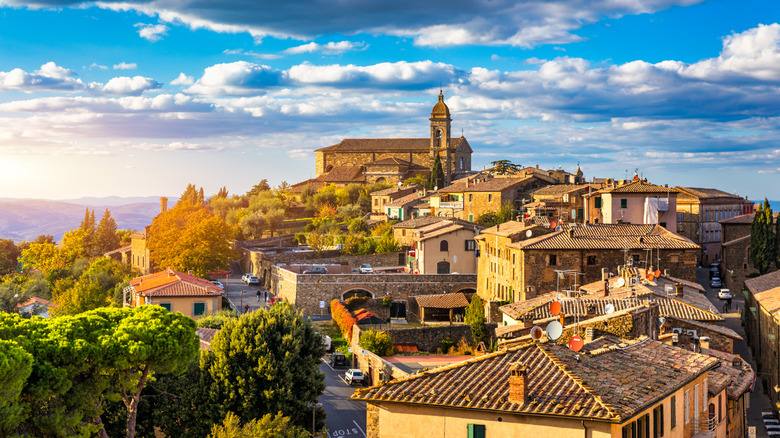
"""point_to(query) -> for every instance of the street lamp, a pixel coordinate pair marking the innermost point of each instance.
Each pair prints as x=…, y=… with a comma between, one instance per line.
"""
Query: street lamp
x=314, y=407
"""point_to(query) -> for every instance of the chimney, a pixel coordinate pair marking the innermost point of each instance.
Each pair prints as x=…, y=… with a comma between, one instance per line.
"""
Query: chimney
x=588, y=335
x=606, y=288
x=571, y=233
x=737, y=362
x=704, y=342
x=190, y=272
x=518, y=385
x=163, y=204
x=679, y=289
x=604, y=274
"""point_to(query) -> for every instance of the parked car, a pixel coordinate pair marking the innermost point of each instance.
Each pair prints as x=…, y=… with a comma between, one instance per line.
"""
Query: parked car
x=245, y=277
x=365, y=268
x=218, y=284
x=353, y=376
x=338, y=360
x=252, y=279
x=316, y=270
x=715, y=282
x=724, y=294
x=715, y=270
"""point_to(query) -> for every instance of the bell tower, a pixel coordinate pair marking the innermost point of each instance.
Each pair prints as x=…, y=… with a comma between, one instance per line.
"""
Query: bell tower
x=440, y=137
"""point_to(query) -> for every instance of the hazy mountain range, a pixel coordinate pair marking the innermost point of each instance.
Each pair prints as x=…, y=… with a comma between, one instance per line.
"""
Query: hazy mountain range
x=26, y=219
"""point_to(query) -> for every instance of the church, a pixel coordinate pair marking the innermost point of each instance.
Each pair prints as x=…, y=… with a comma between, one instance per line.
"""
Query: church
x=392, y=160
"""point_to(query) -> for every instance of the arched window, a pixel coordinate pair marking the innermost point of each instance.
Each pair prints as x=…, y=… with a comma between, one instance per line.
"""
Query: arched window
x=443, y=268
x=444, y=246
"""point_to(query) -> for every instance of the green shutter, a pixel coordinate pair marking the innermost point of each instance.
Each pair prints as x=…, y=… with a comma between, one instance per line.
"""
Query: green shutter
x=166, y=306
x=597, y=202
x=198, y=309
x=476, y=431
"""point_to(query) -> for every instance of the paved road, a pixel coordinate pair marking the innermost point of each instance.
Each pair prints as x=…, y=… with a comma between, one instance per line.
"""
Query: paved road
x=234, y=287
x=758, y=399
x=346, y=418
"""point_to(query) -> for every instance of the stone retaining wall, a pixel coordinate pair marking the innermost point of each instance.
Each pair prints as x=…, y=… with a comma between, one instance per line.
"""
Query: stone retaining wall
x=428, y=338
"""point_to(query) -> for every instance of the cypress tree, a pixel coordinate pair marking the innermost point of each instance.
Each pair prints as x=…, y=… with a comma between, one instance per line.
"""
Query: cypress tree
x=437, y=174
x=762, y=239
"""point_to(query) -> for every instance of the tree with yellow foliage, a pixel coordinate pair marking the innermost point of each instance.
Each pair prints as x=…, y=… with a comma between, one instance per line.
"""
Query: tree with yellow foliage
x=189, y=237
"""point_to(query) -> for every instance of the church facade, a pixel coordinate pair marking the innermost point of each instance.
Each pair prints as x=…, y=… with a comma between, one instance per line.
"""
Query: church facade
x=393, y=160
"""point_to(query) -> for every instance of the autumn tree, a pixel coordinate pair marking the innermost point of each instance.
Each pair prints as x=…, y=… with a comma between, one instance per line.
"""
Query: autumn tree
x=96, y=287
x=190, y=237
x=192, y=195
x=762, y=239
x=88, y=227
x=9, y=253
x=106, y=237
x=253, y=224
x=43, y=256
x=267, y=362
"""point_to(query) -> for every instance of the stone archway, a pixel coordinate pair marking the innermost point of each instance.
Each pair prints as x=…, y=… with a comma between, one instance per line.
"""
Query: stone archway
x=357, y=292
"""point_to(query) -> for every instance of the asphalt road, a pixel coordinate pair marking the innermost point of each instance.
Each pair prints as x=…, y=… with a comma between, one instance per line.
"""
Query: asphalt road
x=234, y=287
x=346, y=418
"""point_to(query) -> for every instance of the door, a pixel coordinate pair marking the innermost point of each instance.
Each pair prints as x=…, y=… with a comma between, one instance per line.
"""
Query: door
x=398, y=310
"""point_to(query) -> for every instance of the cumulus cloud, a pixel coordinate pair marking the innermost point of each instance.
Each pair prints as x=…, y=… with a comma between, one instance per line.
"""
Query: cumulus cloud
x=95, y=65
x=127, y=86
x=403, y=75
x=523, y=23
x=125, y=66
x=152, y=32
x=50, y=77
x=265, y=56
x=183, y=79
x=331, y=48
x=236, y=78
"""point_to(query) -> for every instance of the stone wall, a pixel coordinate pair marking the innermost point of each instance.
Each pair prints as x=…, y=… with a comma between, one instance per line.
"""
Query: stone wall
x=374, y=367
x=427, y=338
x=372, y=420
x=306, y=292
x=717, y=341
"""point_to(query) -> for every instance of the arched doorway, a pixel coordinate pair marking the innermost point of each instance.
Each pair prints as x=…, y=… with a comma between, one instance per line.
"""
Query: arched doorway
x=443, y=268
x=356, y=293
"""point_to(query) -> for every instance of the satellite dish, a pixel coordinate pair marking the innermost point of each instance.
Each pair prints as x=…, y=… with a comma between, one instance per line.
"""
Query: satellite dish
x=553, y=224
x=555, y=308
x=576, y=343
x=657, y=273
x=609, y=308
x=661, y=321
x=554, y=330
x=536, y=333
x=620, y=282
x=650, y=277
x=529, y=233
x=558, y=228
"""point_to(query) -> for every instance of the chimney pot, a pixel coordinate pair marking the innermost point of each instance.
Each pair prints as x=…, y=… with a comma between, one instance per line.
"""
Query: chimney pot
x=518, y=383
x=679, y=289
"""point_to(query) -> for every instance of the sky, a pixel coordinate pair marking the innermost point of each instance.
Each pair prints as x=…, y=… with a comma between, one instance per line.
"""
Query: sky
x=141, y=98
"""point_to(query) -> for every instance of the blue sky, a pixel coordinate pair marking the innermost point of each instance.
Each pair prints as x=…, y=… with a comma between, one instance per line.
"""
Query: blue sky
x=138, y=98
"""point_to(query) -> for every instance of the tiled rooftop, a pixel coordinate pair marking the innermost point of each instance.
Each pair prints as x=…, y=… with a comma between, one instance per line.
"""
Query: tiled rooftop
x=345, y=174
x=395, y=189
x=423, y=221
x=609, y=236
x=766, y=290
x=443, y=301
x=497, y=184
x=599, y=384
x=385, y=144
x=741, y=219
x=561, y=189
x=704, y=193
x=206, y=335
x=170, y=283
x=736, y=379
x=639, y=187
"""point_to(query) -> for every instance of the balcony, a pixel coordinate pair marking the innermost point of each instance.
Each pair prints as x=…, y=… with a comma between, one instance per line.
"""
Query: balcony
x=453, y=205
x=707, y=426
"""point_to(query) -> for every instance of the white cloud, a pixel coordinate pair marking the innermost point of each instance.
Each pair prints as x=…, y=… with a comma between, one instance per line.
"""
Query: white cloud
x=125, y=66
x=236, y=78
x=152, y=32
x=50, y=77
x=331, y=48
x=95, y=65
x=183, y=79
x=127, y=86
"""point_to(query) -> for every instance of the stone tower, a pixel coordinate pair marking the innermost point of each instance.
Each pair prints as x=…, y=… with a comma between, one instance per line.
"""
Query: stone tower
x=440, y=137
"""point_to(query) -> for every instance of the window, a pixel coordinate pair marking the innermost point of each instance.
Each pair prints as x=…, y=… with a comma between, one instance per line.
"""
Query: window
x=490, y=197
x=166, y=306
x=443, y=268
x=471, y=198
x=597, y=202
x=673, y=413
x=376, y=201
x=476, y=431
x=444, y=246
x=198, y=308
x=574, y=213
x=471, y=245
x=687, y=406
x=471, y=216
x=658, y=421
x=663, y=224
x=591, y=260
x=553, y=260
x=624, y=203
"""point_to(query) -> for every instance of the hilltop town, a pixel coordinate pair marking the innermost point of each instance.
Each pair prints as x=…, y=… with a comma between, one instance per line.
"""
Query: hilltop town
x=399, y=292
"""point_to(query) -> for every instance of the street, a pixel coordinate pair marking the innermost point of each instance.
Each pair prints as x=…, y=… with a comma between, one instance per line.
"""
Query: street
x=346, y=418
x=234, y=287
x=759, y=402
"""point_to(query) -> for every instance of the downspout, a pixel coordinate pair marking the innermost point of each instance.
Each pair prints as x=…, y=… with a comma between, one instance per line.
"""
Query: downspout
x=586, y=428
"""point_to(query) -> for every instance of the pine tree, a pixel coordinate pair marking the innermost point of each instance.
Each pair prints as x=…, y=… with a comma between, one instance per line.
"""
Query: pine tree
x=437, y=174
x=762, y=239
x=200, y=196
x=106, y=238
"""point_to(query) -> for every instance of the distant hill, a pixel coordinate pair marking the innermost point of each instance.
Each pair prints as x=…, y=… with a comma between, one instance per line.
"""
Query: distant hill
x=26, y=219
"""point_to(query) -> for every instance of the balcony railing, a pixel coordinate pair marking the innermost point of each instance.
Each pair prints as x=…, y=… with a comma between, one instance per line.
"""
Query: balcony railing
x=453, y=205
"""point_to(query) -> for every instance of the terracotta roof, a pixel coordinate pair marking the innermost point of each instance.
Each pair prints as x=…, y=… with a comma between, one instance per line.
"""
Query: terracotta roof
x=704, y=193
x=423, y=221
x=395, y=189
x=206, y=335
x=725, y=331
x=737, y=240
x=609, y=236
x=404, y=200
x=425, y=235
x=599, y=384
x=561, y=189
x=737, y=380
x=170, y=283
x=667, y=307
x=766, y=290
x=497, y=184
x=511, y=228
x=443, y=301
x=314, y=184
x=344, y=174
x=741, y=219
x=385, y=145
x=38, y=301
x=639, y=187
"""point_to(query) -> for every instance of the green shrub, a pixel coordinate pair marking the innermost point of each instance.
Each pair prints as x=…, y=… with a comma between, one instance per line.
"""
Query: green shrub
x=387, y=301
x=445, y=345
x=356, y=303
x=378, y=343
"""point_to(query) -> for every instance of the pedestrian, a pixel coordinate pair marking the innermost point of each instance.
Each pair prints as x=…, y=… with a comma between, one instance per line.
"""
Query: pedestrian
x=258, y=295
x=725, y=307
x=728, y=303
x=265, y=296
x=246, y=308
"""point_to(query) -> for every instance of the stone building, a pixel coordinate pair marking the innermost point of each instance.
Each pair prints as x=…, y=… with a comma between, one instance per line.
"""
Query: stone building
x=561, y=202
x=699, y=213
x=762, y=327
x=633, y=202
x=380, y=198
x=175, y=291
x=545, y=389
x=441, y=247
x=489, y=196
x=533, y=261
x=735, y=251
x=396, y=159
